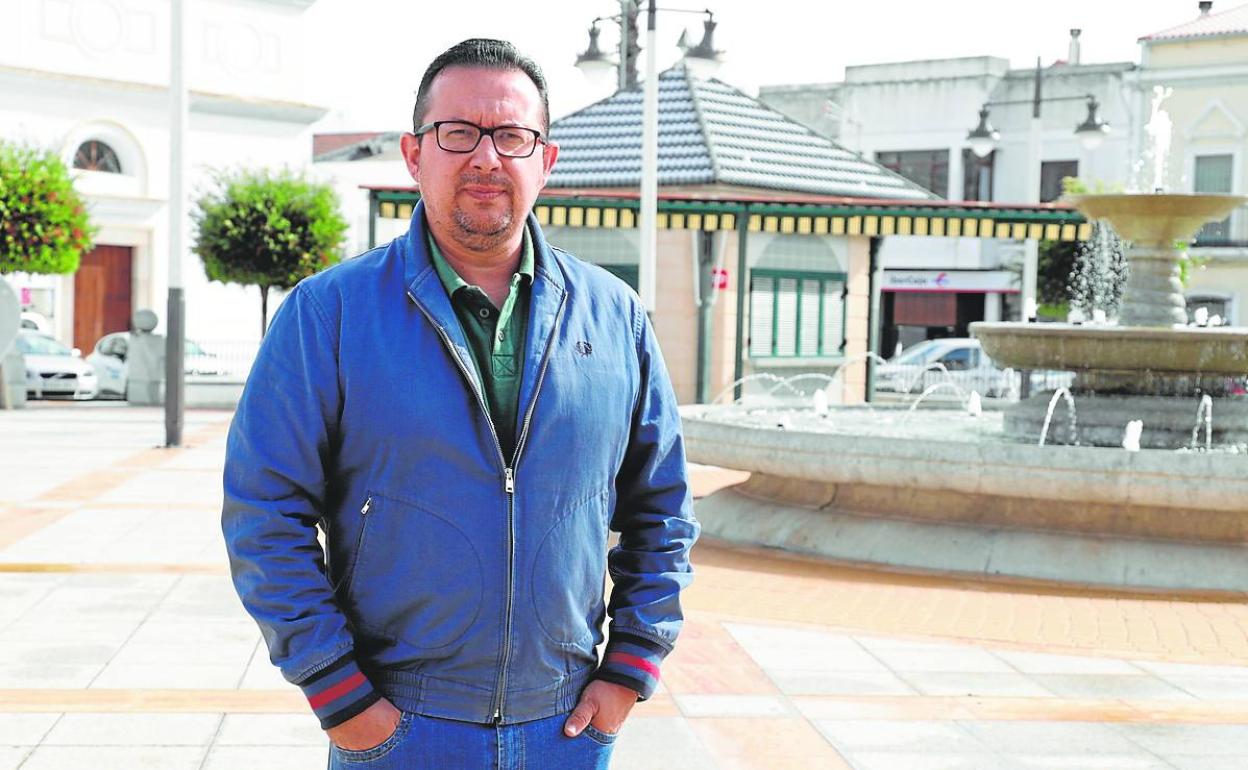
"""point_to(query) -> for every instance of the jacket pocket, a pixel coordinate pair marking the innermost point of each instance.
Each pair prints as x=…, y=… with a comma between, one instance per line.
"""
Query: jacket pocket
x=416, y=576
x=569, y=571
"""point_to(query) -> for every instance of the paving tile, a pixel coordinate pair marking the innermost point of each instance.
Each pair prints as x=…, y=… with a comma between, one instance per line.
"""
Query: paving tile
x=263, y=675
x=25, y=729
x=271, y=730
x=1188, y=762
x=1048, y=663
x=839, y=683
x=169, y=676
x=1109, y=686
x=67, y=652
x=766, y=744
x=964, y=660
x=134, y=730
x=115, y=758
x=1061, y=739
x=978, y=684
x=267, y=757
x=857, y=735
x=733, y=705
x=22, y=676
x=1102, y=762
x=660, y=743
x=11, y=756
x=920, y=760
x=1167, y=669
x=1210, y=687
x=776, y=647
x=1167, y=740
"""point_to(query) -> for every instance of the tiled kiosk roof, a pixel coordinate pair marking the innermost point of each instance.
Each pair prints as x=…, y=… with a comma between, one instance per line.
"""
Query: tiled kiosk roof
x=711, y=133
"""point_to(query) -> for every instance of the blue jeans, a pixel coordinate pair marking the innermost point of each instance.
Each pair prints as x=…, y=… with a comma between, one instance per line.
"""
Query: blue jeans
x=428, y=743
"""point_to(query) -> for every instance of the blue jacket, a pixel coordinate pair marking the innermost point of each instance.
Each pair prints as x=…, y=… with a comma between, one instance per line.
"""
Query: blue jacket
x=454, y=582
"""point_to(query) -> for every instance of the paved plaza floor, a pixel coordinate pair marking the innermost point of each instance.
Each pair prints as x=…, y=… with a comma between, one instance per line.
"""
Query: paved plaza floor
x=122, y=644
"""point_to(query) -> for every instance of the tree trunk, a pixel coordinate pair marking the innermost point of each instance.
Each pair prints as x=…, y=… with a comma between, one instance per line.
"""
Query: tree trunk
x=264, y=310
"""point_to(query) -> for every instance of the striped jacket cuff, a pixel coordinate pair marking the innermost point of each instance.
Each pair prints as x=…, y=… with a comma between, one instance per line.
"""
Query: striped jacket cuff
x=633, y=662
x=338, y=692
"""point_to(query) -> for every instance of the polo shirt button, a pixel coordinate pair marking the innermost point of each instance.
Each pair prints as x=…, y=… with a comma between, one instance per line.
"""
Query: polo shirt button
x=484, y=312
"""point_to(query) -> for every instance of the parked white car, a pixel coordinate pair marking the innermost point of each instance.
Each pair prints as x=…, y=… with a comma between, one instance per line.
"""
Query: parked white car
x=958, y=360
x=53, y=369
x=109, y=360
x=36, y=322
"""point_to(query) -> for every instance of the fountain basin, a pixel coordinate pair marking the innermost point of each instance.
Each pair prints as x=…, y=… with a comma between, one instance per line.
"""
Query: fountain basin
x=1155, y=219
x=1181, y=351
x=969, y=504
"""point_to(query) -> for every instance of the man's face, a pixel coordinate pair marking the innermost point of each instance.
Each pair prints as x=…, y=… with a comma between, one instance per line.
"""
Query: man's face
x=479, y=199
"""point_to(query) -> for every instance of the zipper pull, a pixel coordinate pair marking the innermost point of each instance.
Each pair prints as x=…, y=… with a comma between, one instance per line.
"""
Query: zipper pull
x=367, y=504
x=498, y=715
x=510, y=480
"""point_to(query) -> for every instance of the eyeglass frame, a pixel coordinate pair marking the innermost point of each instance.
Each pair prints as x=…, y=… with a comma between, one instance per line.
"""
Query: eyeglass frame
x=482, y=132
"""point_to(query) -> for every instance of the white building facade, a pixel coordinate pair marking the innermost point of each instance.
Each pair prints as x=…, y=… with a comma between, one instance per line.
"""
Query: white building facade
x=89, y=80
x=914, y=117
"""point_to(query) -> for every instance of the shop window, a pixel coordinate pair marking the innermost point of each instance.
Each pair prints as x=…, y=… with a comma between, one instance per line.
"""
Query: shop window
x=796, y=314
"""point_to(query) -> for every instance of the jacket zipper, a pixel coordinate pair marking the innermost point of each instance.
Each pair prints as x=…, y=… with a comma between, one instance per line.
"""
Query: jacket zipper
x=509, y=484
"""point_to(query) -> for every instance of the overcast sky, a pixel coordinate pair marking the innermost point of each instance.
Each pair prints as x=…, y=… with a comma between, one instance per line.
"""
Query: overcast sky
x=367, y=56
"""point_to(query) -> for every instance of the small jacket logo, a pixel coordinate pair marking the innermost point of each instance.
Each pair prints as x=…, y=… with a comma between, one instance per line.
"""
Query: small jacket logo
x=584, y=348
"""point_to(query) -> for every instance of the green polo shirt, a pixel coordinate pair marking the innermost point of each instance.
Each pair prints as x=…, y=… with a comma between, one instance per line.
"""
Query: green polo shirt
x=495, y=336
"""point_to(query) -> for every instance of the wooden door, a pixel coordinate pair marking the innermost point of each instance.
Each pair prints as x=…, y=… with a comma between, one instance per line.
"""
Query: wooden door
x=102, y=301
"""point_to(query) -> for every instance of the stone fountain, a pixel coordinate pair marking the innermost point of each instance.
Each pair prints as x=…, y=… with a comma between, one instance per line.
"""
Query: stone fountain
x=1151, y=366
x=959, y=492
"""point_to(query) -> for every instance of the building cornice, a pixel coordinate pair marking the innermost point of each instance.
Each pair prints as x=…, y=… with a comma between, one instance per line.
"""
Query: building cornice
x=206, y=102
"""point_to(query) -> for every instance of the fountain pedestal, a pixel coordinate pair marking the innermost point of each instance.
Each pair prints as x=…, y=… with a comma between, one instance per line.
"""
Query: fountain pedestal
x=1153, y=295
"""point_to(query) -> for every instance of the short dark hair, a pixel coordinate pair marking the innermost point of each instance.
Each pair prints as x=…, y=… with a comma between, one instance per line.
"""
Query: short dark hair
x=481, y=52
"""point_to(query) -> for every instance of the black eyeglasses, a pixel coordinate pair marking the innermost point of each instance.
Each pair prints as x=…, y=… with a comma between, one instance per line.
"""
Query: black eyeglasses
x=460, y=136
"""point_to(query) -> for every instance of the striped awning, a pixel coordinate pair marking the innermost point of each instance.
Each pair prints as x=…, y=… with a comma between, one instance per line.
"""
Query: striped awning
x=952, y=220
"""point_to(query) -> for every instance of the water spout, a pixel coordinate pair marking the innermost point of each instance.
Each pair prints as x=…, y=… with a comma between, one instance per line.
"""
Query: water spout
x=975, y=405
x=821, y=402
x=1205, y=409
x=939, y=386
x=1131, y=436
x=1060, y=393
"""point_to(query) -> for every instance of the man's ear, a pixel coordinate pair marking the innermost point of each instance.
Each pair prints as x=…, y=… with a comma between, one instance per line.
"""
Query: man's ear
x=409, y=145
x=549, y=153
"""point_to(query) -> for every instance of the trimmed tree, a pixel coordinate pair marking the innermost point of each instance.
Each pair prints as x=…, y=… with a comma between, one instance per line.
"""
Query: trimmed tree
x=269, y=229
x=43, y=223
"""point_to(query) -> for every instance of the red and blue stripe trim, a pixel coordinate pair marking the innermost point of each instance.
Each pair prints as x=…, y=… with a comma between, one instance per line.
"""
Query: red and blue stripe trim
x=338, y=692
x=633, y=662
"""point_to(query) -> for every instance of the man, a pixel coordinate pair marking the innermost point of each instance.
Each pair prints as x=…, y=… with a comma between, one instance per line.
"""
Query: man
x=465, y=412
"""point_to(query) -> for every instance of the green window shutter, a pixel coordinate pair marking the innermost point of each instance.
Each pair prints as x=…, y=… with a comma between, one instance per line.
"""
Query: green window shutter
x=796, y=314
x=833, y=317
x=786, y=317
x=762, y=300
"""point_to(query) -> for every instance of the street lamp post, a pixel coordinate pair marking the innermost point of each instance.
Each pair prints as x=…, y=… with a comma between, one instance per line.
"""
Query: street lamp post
x=175, y=318
x=592, y=59
x=983, y=139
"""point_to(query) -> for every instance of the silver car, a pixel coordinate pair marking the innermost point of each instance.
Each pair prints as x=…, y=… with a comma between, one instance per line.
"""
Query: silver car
x=53, y=369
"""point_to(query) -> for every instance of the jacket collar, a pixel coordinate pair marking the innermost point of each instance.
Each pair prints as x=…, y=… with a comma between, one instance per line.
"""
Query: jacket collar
x=549, y=292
